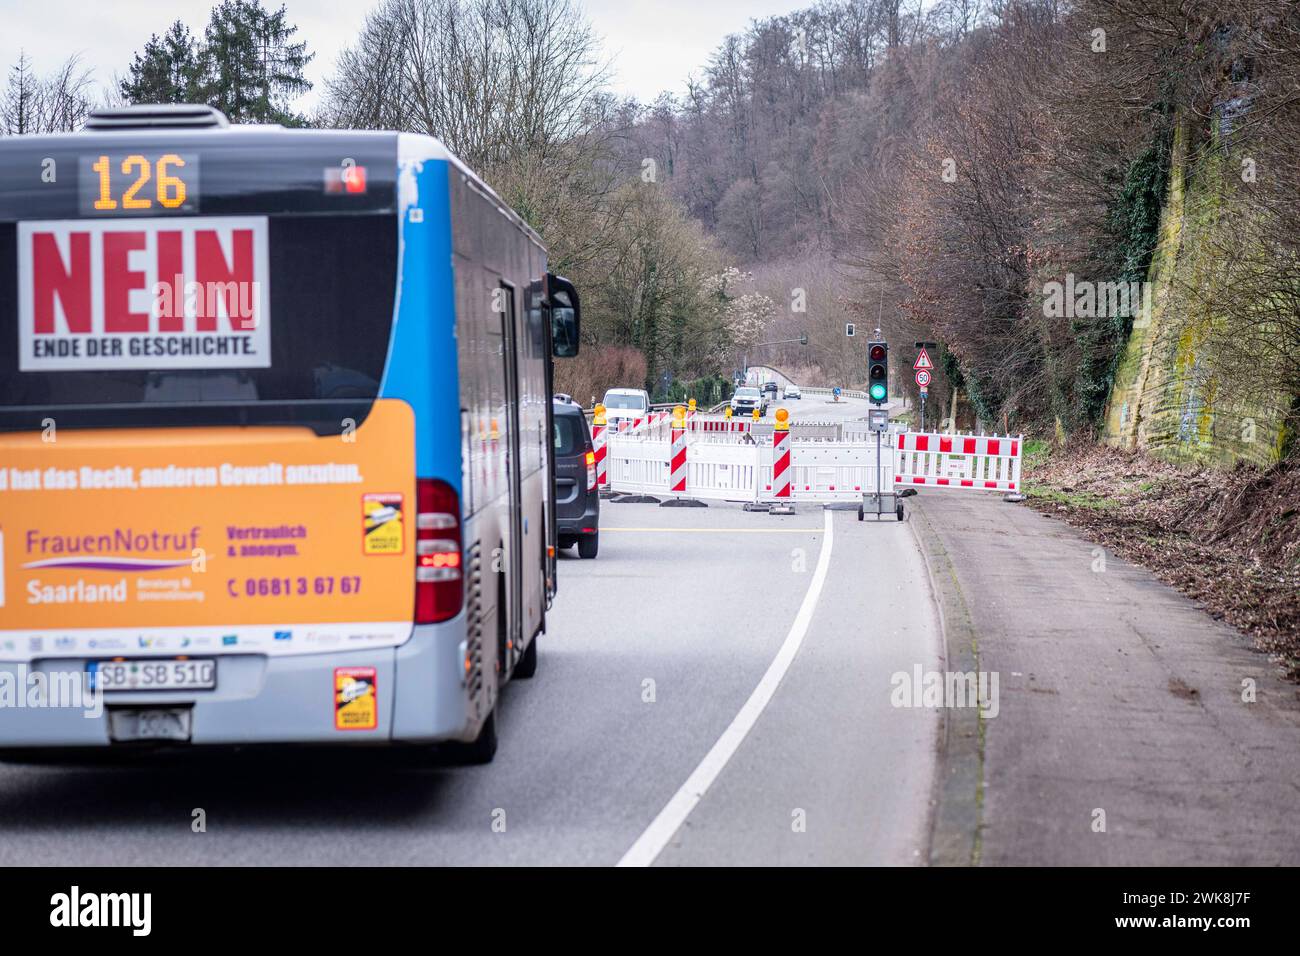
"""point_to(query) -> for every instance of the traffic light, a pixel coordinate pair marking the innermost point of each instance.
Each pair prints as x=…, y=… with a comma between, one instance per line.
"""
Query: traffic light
x=878, y=372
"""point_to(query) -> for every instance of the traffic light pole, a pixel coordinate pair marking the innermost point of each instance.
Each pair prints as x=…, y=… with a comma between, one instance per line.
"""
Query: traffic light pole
x=878, y=422
x=880, y=467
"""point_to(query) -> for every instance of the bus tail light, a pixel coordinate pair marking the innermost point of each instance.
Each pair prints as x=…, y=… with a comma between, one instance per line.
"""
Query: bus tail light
x=591, y=471
x=439, y=592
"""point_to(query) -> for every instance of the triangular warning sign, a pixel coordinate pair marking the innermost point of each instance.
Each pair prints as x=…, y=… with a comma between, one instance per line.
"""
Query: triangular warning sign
x=923, y=360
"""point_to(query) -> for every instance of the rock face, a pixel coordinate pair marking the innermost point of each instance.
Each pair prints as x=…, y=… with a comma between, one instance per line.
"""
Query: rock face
x=1170, y=397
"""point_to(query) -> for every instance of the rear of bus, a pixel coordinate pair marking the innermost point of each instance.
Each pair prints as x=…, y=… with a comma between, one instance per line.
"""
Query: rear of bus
x=230, y=441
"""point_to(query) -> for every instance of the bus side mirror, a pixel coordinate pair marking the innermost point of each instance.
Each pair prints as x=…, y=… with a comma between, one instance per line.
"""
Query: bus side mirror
x=566, y=317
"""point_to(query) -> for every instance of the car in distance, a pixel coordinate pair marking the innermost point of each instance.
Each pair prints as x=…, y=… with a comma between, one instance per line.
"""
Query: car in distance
x=792, y=391
x=577, y=499
x=746, y=399
x=625, y=403
x=769, y=391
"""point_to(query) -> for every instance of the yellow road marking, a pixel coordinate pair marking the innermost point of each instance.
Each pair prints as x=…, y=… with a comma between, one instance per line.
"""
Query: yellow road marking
x=720, y=530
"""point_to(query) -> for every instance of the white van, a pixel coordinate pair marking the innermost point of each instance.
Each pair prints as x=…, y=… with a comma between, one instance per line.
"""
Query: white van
x=631, y=403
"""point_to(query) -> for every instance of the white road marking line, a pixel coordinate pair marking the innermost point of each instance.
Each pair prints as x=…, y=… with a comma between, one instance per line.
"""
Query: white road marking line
x=651, y=843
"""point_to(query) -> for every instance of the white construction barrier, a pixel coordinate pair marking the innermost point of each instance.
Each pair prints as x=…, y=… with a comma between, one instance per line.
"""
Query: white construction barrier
x=720, y=472
x=983, y=462
x=829, y=472
x=745, y=471
x=753, y=465
x=637, y=465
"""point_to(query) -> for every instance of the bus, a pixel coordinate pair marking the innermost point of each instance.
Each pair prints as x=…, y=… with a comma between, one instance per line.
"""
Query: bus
x=276, y=441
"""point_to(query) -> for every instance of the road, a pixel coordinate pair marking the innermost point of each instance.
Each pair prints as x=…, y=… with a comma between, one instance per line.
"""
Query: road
x=776, y=634
x=821, y=409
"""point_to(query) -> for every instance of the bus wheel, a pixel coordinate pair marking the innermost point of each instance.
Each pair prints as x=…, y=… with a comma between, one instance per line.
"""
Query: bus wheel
x=482, y=749
x=526, y=666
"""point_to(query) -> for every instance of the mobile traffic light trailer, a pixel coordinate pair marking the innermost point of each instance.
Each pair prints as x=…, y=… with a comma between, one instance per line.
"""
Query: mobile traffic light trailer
x=880, y=502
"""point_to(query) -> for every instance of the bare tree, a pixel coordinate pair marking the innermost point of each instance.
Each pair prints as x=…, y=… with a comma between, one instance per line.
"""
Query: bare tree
x=491, y=78
x=67, y=97
x=57, y=103
x=20, y=106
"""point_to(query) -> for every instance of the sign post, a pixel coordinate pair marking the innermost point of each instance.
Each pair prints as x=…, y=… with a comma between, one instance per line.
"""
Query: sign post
x=923, y=380
x=922, y=367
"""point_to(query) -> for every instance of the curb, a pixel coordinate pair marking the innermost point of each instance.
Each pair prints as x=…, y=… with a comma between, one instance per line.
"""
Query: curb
x=958, y=795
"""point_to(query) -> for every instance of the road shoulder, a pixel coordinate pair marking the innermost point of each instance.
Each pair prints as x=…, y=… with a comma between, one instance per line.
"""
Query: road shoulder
x=1131, y=728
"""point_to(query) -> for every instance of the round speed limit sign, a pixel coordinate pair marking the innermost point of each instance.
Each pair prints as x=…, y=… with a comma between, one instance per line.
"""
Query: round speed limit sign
x=922, y=377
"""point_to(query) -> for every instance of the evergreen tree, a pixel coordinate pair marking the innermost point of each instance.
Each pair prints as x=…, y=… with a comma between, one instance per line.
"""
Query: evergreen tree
x=246, y=65
x=253, y=69
x=168, y=70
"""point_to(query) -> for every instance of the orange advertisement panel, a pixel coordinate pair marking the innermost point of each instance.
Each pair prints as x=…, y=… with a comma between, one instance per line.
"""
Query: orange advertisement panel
x=273, y=540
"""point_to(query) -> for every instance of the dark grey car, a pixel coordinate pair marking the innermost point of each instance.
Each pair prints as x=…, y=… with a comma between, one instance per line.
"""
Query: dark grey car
x=577, y=501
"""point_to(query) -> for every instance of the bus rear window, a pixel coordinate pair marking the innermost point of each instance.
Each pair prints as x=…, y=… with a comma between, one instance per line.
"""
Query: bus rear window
x=265, y=320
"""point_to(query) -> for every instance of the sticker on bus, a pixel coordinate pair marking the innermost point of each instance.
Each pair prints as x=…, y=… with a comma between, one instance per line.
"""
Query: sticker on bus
x=383, y=523
x=356, y=704
x=143, y=294
x=205, y=541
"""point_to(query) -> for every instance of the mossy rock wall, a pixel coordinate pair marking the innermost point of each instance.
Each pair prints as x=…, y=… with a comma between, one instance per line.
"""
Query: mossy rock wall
x=1168, y=398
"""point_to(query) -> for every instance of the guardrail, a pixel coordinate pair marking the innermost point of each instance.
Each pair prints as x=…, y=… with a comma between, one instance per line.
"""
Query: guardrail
x=844, y=392
x=720, y=406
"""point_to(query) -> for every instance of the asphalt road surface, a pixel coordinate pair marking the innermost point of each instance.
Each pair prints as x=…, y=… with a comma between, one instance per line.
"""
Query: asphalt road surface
x=820, y=408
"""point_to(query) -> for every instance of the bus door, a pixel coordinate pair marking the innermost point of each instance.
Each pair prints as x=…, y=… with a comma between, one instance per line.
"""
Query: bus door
x=514, y=553
x=539, y=313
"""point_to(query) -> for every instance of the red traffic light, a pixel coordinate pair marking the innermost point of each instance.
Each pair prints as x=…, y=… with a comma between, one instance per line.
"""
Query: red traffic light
x=877, y=353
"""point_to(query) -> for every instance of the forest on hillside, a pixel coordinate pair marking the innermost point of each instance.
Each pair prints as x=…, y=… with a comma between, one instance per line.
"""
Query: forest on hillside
x=934, y=168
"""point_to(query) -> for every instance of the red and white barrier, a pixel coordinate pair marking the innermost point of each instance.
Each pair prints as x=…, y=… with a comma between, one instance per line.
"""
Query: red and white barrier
x=983, y=462
x=677, y=461
x=733, y=461
x=733, y=426
x=598, y=447
x=781, y=462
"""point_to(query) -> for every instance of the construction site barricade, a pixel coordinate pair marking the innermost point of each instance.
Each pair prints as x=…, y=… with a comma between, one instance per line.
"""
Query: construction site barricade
x=979, y=462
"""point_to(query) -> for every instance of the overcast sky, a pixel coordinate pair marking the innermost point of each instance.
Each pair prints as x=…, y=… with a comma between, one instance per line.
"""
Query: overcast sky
x=655, y=44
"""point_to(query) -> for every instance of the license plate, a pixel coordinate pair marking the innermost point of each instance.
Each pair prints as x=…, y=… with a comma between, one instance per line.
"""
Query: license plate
x=152, y=723
x=160, y=674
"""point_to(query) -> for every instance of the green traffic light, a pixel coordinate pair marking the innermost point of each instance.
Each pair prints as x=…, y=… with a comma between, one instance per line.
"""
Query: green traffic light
x=878, y=392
